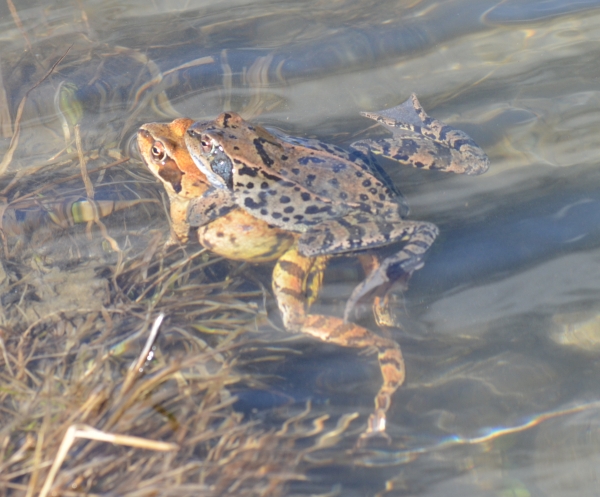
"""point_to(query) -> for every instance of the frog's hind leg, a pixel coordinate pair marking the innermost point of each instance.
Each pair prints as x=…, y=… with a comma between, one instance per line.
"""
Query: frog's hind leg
x=362, y=231
x=295, y=284
x=424, y=142
x=419, y=237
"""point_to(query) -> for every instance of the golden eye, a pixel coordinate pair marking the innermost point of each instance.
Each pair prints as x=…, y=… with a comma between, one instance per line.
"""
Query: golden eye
x=158, y=151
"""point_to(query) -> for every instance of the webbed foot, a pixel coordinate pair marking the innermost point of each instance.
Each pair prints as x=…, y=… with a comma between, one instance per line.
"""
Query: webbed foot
x=424, y=142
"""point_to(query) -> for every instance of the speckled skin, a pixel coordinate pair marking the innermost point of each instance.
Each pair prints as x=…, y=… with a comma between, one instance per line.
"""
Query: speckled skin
x=312, y=201
x=238, y=235
x=333, y=198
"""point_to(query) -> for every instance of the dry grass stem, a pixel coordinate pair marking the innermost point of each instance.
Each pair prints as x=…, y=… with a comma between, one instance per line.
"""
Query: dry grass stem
x=89, y=433
x=17, y=20
x=93, y=401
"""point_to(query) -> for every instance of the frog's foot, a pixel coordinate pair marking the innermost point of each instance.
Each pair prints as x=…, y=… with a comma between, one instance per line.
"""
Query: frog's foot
x=375, y=428
x=292, y=275
x=362, y=231
x=423, y=142
x=384, y=316
x=396, y=268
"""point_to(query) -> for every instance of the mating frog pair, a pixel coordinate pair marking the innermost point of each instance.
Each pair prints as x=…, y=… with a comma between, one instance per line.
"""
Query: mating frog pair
x=258, y=195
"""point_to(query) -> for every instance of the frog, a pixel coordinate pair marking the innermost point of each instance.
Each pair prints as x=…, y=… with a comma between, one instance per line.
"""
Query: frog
x=205, y=197
x=164, y=151
x=337, y=201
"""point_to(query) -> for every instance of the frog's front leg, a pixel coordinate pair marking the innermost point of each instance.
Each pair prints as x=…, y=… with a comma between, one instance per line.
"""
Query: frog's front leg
x=296, y=279
x=197, y=212
x=180, y=228
x=424, y=142
x=215, y=203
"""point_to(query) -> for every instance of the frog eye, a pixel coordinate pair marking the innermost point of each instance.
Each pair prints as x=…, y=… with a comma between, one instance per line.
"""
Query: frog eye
x=158, y=151
x=206, y=144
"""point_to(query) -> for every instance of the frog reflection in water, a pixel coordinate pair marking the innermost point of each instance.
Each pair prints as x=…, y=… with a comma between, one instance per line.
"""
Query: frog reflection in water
x=259, y=196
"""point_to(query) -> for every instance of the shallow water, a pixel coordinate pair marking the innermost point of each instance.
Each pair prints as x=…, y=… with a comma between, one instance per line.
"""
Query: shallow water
x=498, y=399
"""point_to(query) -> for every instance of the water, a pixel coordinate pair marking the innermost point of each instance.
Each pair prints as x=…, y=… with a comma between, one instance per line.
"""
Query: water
x=501, y=393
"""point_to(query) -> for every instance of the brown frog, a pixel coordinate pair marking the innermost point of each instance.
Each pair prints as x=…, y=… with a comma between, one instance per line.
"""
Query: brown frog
x=336, y=201
x=307, y=201
x=234, y=234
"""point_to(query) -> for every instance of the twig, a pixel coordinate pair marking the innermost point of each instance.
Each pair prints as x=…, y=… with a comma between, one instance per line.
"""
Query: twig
x=60, y=181
x=137, y=367
x=84, y=431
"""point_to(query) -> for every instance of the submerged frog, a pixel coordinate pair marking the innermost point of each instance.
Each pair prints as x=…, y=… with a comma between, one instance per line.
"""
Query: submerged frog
x=307, y=201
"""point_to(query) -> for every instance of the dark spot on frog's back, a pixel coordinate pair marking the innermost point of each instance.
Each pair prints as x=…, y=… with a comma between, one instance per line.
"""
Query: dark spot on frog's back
x=244, y=170
x=284, y=157
x=315, y=160
x=309, y=179
x=284, y=199
x=366, y=183
x=226, y=118
x=305, y=196
x=315, y=209
x=262, y=153
x=252, y=204
x=270, y=177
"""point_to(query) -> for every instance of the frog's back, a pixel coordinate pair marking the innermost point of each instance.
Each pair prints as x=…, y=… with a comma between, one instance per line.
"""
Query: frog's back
x=326, y=171
x=351, y=172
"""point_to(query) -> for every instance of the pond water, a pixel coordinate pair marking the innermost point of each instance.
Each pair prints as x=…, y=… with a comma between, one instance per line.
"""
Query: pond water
x=500, y=329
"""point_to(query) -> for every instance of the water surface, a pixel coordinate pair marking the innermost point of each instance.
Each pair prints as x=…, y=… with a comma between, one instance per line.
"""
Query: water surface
x=501, y=392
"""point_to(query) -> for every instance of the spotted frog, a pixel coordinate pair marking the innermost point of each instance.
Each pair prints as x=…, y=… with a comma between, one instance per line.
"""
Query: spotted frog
x=258, y=195
x=335, y=201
